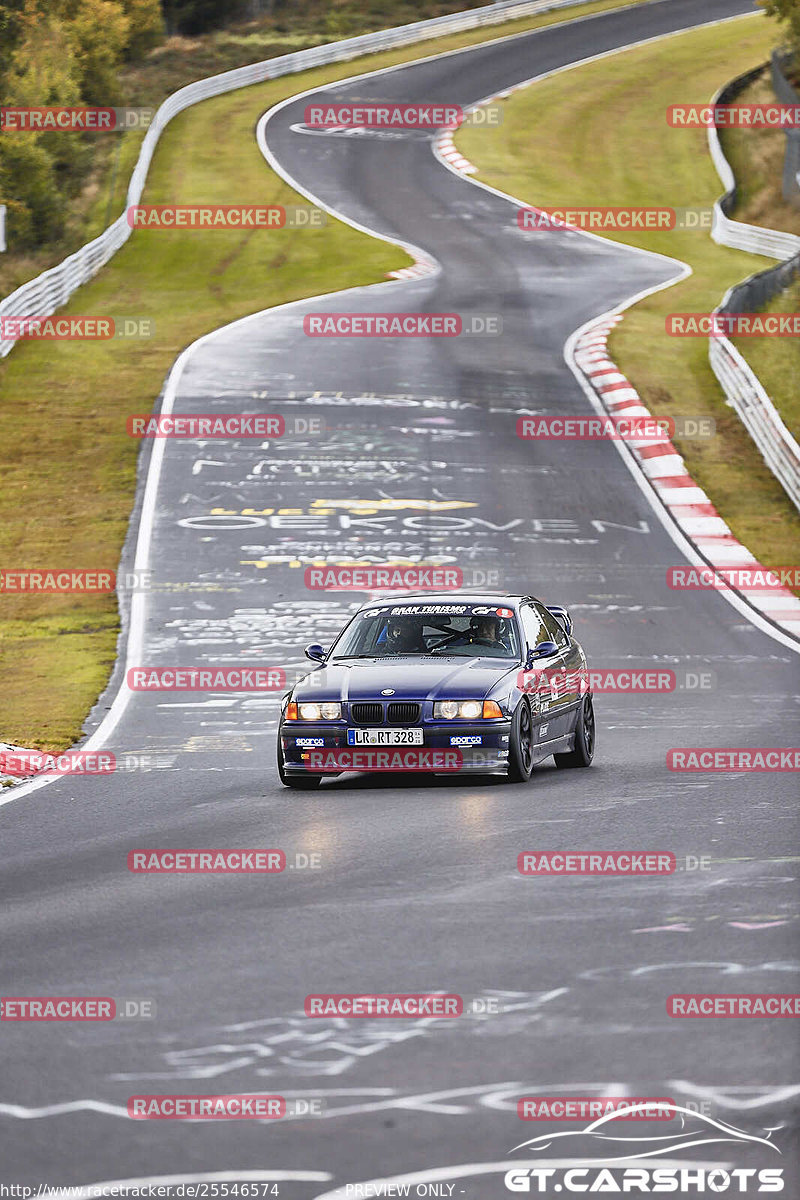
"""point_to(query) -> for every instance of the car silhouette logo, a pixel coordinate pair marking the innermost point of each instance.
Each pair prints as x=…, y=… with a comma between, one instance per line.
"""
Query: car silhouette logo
x=387, y=692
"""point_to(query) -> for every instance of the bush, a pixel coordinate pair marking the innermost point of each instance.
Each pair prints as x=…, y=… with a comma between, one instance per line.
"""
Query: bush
x=36, y=207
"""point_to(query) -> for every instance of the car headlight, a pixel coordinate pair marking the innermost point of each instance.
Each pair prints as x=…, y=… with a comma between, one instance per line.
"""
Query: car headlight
x=314, y=711
x=467, y=710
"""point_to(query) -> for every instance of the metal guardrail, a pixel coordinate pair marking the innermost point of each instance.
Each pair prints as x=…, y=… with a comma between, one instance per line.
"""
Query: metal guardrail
x=788, y=94
x=42, y=295
x=737, y=234
x=743, y=389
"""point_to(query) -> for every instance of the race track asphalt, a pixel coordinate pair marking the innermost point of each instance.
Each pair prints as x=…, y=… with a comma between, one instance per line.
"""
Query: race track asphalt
x=417, y=887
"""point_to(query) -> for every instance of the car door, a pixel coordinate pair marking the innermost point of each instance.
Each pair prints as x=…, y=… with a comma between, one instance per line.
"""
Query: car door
x=551, y=687
x=568, y=671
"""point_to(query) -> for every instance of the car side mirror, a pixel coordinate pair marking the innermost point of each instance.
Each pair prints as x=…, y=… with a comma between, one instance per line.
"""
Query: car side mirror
x=315, y=652
x=542, y=650
x=562, y=616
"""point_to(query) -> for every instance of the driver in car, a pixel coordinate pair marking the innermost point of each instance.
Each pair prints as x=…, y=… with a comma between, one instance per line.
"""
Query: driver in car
x=484, y=631
x=402, y=637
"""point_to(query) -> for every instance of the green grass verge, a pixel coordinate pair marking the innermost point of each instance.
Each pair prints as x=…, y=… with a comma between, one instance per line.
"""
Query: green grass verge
x=606, y=142
x=67, y=486
x=776, y=362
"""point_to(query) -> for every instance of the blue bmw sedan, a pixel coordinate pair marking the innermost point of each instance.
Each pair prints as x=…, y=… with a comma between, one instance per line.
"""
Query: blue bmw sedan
x=488, y=684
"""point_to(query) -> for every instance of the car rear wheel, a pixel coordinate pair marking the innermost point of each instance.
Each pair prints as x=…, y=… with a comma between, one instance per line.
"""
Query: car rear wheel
x=302, y=783
x=520, y=744
x=583, y=752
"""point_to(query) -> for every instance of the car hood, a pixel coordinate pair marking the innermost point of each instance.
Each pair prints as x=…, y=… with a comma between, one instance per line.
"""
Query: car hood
x=441, y=678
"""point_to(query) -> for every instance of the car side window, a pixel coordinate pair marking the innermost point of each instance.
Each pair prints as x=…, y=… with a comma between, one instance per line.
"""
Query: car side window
x=532, y=625
x=555, y=629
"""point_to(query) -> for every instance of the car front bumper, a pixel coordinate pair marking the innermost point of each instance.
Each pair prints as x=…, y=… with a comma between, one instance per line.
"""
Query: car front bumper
x=479, y=747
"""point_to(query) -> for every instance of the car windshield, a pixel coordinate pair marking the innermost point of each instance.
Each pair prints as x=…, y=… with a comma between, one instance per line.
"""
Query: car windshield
x=463, y=630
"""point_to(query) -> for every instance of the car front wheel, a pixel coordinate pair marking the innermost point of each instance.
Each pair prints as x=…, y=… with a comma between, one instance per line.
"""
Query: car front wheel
x=583, y=753
x=520, y=744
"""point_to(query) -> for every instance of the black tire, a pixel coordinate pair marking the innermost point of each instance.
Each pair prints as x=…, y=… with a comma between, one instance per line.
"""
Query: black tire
x=520, y=744
x=301, y=783
x=585, y=739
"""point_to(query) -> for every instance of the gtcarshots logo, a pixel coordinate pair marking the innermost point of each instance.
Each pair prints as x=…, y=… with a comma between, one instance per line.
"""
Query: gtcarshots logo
x=615, y=1148
x=645, y=1180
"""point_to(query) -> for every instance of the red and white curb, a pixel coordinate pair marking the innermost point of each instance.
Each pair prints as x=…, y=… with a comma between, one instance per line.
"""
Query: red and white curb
x=445, y=148
x=421, y=267
x=9, y=751
x=665, y=470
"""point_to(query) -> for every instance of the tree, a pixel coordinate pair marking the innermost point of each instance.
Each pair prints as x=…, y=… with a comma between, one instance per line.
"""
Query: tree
x=145, y=26
x=789, y=12
x=99, y=34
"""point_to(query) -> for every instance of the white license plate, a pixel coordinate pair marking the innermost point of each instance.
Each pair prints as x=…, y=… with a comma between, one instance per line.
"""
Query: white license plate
x=384, y=737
